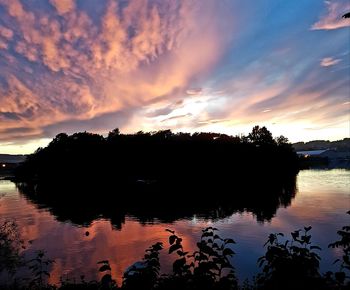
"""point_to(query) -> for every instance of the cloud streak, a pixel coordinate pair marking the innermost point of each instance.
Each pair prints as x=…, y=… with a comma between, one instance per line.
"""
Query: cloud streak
x=156, y=64
x=329, y=61
x=333, y=18
x=84, y=67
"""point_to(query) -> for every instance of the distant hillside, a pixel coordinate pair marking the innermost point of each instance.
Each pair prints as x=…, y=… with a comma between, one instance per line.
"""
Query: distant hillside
x=8, y=158
x=340, y=145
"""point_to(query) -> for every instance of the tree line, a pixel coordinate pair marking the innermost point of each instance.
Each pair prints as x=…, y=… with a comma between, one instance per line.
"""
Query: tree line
x=161, y=157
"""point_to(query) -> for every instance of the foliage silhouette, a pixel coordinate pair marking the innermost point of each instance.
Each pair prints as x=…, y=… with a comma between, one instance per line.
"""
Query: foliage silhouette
x=144, y=274
x=287, y=264
x=10, y=246
x=291, y=264
x=207, y=268
x=344, y=244
x=182, y=160
x=106, y=281
x=132, y=172
x=39, y=267
x=147, y=203
x=262, y=136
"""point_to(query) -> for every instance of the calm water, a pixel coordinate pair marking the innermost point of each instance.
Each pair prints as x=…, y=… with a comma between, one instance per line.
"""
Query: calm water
x=322, y=199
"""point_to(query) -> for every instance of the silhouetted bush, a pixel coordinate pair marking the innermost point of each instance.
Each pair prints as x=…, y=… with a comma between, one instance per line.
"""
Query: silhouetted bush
x=287, y=264
x=39, y=267
x=344, y=269
x=290, y=264
x=10, y=246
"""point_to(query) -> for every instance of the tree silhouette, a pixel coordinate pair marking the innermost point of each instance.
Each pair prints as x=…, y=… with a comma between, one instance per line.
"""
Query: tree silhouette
x=261, y=136
x=113, y=134
x=346, y=15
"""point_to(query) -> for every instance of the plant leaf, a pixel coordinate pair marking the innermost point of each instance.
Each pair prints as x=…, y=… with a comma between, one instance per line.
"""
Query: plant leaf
x=174, y=248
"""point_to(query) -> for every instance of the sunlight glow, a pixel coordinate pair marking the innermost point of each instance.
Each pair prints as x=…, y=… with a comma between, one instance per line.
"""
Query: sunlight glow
x=192, y=66
x=23, y=148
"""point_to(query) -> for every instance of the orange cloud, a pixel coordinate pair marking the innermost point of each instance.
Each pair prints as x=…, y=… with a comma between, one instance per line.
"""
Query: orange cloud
x=135, y=54
x=5, y=32
x=195, y=91
x=333, y=18
x=63, y=6
x=329, y=61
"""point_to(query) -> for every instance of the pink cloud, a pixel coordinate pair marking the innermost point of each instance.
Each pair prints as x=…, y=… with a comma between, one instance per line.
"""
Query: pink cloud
x=63, y=6
x=3, y=44
x=134, y=55
x=194, y=91
x=329, y=61
x=5, y=32
x=333, y=18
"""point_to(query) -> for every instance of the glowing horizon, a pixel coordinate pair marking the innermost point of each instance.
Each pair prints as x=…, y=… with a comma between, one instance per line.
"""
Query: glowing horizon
x=73, y=65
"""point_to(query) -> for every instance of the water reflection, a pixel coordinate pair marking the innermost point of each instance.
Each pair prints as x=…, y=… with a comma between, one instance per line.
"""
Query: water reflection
x=321, y=201
x=148, y=204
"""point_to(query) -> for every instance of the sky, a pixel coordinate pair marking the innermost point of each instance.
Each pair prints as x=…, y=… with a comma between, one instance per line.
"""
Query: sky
x=192, y=65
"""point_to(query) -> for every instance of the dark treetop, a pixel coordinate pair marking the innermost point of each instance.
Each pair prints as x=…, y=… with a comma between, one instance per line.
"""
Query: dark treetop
x=161, y=174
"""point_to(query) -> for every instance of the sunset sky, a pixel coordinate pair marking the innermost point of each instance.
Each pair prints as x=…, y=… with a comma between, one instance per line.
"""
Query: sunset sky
x=191, y=65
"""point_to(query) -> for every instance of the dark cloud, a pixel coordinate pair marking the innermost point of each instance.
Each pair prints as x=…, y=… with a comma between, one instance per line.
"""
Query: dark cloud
x=102, y=123
x=17, y=130
x=165, y=110
x=9, y=116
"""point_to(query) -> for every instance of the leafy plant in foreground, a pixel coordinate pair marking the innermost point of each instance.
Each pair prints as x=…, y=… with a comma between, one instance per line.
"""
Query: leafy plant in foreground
x=10, y=245
x=39, y=268
x=290, y=264
x=106, y=281
x=144, y=274
x=208, y=267
x=344, y=244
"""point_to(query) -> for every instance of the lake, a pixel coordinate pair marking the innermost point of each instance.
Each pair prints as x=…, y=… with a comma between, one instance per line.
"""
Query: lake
x=322, y=200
